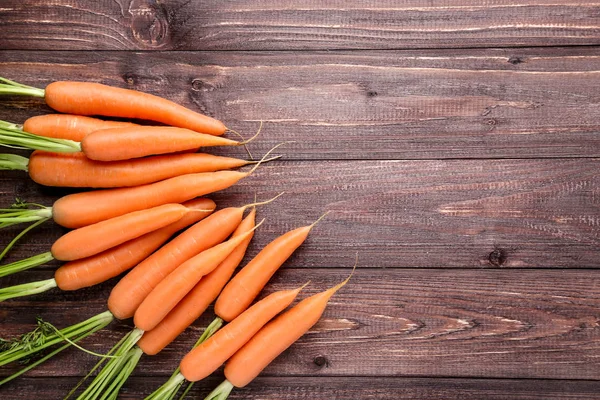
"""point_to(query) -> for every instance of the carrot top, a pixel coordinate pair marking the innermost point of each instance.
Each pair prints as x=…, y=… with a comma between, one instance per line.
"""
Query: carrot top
x=8, y=87
x=13, y=137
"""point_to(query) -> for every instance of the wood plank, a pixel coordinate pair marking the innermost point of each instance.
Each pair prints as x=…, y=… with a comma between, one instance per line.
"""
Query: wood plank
x=525, y=103
x=403, y=214
x=297, y=24
x=434, y=323
x=356, y=388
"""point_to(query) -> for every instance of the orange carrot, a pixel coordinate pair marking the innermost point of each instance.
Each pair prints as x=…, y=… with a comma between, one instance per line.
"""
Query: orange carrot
x=108, y=264
x=66, y=126
x=210, y=355
x=86, y=98
x=199, y=298
x=247, y=284
x=165, y=296
x=272, y=340
x=76, y=170
x=132, y=289
x=112, y=262
x=140, y=141
x=93, y=239
x=80, y=209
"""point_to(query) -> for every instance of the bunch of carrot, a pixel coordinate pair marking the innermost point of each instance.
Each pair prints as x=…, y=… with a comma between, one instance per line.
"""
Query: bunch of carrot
x=149, y=181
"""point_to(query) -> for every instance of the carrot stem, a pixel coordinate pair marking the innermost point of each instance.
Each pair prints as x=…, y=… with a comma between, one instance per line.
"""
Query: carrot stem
x=221, y=392
x=13, y=162
x=24, y=265
x=170, y=388
x=13, y=216
x=117, y=369
x=26, y=289
x=43, y=337
x=8, y=87
x=19, y=236
x=16, y=138
x=35, y=364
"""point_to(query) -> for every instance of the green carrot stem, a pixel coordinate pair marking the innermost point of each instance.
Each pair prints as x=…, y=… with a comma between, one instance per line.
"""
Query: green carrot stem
x=26, y=289
x=13, y=162
x=98, y=365
x=21, y=139
x=8, y=87
x=35, y=364
x=210, y=330
x=221, y=392
x=170, y=388
x=23, y=265
x=19, y=236
x=44, y=336
x=117, y=369
x=12, y=216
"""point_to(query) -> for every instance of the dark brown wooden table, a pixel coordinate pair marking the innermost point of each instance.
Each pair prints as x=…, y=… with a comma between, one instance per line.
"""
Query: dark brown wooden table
x=457, y=146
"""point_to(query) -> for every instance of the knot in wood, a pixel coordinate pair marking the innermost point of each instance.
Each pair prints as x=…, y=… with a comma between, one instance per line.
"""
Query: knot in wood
x=497, y=257
x=515, y=60
x=149, y=23
x=320, y=361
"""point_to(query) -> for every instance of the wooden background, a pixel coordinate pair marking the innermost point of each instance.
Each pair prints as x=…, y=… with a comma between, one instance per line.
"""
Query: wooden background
x=457, y=145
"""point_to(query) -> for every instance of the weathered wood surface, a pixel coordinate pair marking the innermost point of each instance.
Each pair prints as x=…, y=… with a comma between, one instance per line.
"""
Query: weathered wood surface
x=294, y=24
x=341, y=388
x=459, y=323
x=426, y=214
x=525, y=103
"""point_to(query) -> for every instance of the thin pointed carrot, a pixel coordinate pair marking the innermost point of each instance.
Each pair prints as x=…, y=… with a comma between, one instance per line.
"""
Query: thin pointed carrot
x=132, y=289
x=247, y=284
x=165, y=296
x=277, y=336
x=87, y=98
x=76, y=170
x=67, y=126
x=210, y=355
x=140, y=141
x=193, y=305
x=93, y=239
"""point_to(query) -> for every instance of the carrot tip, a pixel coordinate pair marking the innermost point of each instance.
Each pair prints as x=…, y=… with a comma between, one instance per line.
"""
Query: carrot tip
x=319, y=219
x=260, y=203
x=342, y=284
x=253, y=137
x=264, y=158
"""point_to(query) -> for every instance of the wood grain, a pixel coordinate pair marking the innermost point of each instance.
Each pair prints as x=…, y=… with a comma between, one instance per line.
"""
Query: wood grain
x=403, y=214
x=525, y=103
x=305, y=388
x=435, y=323
x=298, y=24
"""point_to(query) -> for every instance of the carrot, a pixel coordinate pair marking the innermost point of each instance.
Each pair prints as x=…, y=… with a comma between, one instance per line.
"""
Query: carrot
x=76, y=170
x=131, y=291
x=272, y=340
x=81, y=209
x=210, y=355
x=199, y=298
x=119, y=143
x=239, y=293
x=165, y=296
x=116, y=371
x=93, y=239
x=66, y=126
x=85, y=98
x=103, y=266
x=140, y=141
